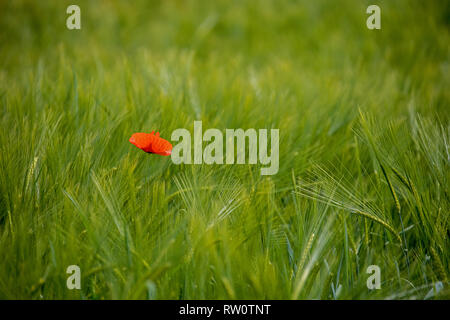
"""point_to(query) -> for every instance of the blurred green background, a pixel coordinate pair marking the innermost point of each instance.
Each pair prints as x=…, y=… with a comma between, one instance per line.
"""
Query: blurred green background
x=364, y=157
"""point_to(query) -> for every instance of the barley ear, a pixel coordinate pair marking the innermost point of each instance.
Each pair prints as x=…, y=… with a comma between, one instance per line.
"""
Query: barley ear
x=438, y=266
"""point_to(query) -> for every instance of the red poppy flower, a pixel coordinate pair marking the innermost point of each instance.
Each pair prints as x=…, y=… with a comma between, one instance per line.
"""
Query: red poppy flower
x=151, y=143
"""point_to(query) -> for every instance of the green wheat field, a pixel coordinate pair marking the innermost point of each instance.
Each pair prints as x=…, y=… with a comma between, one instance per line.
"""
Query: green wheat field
x=364, y=150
